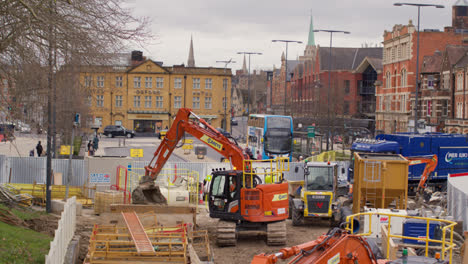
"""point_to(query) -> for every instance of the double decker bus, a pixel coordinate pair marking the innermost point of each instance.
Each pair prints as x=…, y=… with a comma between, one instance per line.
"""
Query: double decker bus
x=270, y=135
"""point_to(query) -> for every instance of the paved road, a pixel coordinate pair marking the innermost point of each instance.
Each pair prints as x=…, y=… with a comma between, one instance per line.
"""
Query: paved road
x=149, y=146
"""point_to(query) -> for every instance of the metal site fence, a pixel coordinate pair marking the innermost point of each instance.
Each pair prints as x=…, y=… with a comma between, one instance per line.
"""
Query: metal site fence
x=33, y=169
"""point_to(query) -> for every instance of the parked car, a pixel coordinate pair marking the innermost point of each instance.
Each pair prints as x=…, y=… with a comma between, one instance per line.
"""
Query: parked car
x=224, y=132
x=234, y=122
x=162, y=133
x=118, y=131
x=25, y=128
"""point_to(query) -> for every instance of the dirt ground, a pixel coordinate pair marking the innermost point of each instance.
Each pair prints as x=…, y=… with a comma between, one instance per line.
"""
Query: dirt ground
x=247, y=246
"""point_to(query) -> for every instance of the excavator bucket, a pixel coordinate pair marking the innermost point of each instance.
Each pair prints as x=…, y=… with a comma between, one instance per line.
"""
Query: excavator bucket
x=148, y=193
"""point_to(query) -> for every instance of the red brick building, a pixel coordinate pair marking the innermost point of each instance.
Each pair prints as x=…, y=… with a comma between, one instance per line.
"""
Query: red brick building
x=354, y=72
x=459, y=121
x=395, y=97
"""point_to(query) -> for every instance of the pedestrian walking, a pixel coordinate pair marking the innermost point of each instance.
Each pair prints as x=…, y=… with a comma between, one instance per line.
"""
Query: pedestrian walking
x=95, y=144
x=31, y=153
x=90, y=148
x=39, y=149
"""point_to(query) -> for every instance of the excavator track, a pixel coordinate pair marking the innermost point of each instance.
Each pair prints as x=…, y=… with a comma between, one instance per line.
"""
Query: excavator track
x=276, y=233
x=226, y=233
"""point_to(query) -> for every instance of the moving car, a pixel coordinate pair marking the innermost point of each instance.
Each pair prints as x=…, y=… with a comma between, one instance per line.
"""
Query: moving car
x=116, y=131
x=234, y=122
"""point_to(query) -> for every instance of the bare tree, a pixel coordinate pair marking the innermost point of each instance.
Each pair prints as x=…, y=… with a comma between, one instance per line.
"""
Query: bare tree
x=54, y=33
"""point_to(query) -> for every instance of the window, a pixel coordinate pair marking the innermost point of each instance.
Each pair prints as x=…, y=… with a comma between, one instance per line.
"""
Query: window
x=403, y=103
x=90, y=100
x=88, y=81
x=429, y=108
x=148, y=82
x=446, y=84
x=118, y=101
x=98, y=121
x=137, y=82
x=393, y=53
x=388, y=102
x=177, y=83
x=196, y=102
x=224, y=102
x=100, y=81
x=399, y=51
x=148, y=101
x=159, y=102
x=381, y=103
x=136, y=101
x=346, y=108
x=346, y=85
x=225, y=84
x=118, y=122
x=208, y=83
x=388, y=80
x=100, y=100
x=159, y=82
x=430, y=82
x=118, y=82
x=459, y=110
x=459, y=82
x=404, y=78
x=387, y=54
x=404, y=48
x=207, y=102
x=444, y=107
x=196, y=83
x=177, y=101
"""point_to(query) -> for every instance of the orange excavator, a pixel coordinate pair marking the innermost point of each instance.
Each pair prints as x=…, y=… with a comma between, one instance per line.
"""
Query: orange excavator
x=237, y=197
x=339, y=246
x=431, y=164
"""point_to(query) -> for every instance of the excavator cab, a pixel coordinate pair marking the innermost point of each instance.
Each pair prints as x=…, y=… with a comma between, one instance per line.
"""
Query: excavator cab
x=225, y=195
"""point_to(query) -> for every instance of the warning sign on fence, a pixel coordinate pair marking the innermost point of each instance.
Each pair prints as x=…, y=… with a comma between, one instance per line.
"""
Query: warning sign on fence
x=99, y=178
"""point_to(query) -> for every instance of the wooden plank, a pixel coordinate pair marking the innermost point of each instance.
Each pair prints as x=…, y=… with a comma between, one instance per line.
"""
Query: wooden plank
x=143, y=208
x=393, y=247
x=193, y=255
x=139, y=236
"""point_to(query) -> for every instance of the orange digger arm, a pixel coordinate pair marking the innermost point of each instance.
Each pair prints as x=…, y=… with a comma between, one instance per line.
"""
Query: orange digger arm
x=200, y=129
x=431, y=164
x=338, y=248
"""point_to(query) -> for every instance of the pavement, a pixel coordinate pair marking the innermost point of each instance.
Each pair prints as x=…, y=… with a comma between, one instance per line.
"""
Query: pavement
x=22, y=144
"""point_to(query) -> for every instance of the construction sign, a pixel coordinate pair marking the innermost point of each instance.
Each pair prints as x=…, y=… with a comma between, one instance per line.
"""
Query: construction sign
x=65, y=150
x=187, y=147
x=188, y=141
x=136, y=153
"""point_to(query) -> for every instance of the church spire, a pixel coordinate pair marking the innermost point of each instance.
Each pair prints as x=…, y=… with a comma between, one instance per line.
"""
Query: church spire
x=191, y=59
x=311, y=40
x=244, y=66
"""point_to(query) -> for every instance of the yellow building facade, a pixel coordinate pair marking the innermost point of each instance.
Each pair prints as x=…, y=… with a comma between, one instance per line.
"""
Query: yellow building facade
x=147, y=96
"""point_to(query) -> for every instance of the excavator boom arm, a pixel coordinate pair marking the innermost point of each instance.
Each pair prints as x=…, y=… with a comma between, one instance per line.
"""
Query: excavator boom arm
x=202, y=131
x=431, y=164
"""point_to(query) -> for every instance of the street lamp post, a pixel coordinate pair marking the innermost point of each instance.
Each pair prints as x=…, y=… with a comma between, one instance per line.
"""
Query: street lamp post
x=286, y=68
x=417, y=58
x=329, y=78
x=225, y=91
x=248, y=77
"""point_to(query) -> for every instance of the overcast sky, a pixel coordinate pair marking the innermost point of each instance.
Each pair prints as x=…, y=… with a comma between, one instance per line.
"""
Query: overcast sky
x=221, y=28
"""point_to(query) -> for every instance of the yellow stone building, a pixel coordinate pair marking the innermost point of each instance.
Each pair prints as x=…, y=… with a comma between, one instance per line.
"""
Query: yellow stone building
x=143, y=95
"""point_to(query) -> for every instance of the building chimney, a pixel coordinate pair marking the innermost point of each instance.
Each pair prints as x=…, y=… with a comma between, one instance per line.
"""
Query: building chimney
x=137, y=57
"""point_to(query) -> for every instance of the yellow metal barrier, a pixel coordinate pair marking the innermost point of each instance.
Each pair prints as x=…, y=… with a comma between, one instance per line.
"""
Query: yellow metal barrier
x=444, y=249
x=272, y=168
